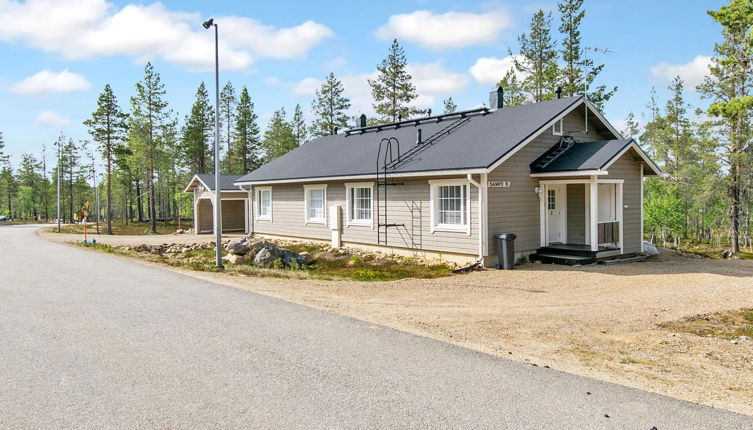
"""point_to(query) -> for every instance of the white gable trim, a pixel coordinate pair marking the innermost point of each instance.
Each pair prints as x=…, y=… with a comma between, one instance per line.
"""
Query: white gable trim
x=640, y=152
x=194, y=179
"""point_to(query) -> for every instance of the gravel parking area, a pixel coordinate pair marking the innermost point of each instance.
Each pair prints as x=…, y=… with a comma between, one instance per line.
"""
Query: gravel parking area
x=600, y=321
x=147, y=239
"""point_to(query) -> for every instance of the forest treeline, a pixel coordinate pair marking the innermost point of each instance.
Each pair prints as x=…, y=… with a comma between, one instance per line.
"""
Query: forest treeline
x=147, y=152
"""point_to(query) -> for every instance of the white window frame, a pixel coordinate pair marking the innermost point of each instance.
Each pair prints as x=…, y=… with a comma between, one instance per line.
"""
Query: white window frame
x=306, y=199
x=257, y=200
x=433, y=198
x=561, y=125
x=349, y=221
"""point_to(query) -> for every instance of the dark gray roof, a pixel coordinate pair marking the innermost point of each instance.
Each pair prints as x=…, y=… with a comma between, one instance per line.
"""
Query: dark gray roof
x=227, y=182
x=584, y=156
x=479, y=143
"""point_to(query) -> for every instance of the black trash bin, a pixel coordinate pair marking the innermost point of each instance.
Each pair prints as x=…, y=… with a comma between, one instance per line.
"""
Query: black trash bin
x=506, y=250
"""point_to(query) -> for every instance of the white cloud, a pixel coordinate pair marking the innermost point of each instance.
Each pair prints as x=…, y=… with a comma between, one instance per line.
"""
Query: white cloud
x=490, y=70
x=47, y=82
x=80, y=29
x=51, y=119
x=449, y=30
x=692, y=72
x=307, y=87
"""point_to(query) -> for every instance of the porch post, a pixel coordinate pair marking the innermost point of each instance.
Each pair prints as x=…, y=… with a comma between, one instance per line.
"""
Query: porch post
x=195, y=213
x=594, y=212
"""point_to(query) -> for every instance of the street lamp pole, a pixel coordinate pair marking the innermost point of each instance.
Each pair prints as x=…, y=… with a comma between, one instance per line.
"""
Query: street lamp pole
x=59, y=143
x=217, y=191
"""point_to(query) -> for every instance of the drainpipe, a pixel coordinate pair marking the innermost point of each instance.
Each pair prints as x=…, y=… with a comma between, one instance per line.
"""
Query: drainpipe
x=481, y=218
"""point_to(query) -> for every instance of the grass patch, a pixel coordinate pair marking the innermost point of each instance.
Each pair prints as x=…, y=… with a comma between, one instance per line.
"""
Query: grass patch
x=711, y=251
x=328, y=266
x=723, y=325
x=119, y=229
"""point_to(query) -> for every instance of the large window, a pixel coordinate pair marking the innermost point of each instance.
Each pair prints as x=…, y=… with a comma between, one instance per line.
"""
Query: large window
x=264, y=203
x=450, y=205
x=316, y=203
x=359, y=203
x=607, y=203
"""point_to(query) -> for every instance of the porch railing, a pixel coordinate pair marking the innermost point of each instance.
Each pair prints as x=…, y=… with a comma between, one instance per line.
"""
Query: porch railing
x=609, y=232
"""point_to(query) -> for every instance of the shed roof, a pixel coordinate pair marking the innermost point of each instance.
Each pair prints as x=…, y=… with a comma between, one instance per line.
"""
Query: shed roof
x=478, y=143
x=227, y=182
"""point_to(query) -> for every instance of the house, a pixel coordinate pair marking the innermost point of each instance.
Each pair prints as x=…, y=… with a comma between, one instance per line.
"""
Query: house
x=555, y=173
x=235, y=205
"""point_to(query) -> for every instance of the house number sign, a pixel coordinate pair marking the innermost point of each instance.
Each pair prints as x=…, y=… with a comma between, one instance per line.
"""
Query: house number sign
x=499, y=184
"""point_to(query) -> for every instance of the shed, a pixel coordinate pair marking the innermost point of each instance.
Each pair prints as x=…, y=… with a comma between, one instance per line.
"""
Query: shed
x=234, y=204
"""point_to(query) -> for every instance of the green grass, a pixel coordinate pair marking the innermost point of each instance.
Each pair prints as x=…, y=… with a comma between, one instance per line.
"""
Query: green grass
x=120, y=229
x=327, y=266
x=723, y=325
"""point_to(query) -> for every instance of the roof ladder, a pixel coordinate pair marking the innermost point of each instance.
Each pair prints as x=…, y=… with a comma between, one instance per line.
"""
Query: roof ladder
x=391, y=154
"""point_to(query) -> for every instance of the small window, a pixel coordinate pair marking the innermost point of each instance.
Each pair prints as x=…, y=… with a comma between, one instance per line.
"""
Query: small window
x=551, y=199
x=450, y=205
x=316, y=203
x=264, y=204
x=359, y=204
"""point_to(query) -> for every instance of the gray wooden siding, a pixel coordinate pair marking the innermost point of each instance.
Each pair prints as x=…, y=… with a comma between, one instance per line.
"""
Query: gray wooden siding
x=516, y=209
x=628, y=169
x=408, y=204
x=576, y=213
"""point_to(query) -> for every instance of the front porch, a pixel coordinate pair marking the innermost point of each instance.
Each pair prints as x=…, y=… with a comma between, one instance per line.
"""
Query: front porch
x=581, y=220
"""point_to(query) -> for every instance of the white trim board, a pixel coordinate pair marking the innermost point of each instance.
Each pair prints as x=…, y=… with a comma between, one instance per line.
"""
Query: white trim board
x=455, y=172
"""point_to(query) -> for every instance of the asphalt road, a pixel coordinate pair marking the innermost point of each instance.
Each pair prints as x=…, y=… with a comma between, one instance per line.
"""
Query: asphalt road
x=89, y=340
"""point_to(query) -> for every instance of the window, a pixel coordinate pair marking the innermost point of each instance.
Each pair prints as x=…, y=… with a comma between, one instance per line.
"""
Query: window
x=557, y=128
x=607, y=203
x=315, y=203
x=551, y=198
x=264, y=203
x=359, y=203
x=450, y=205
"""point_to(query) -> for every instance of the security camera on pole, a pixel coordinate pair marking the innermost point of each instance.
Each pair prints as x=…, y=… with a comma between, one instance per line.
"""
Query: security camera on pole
x=217, y=195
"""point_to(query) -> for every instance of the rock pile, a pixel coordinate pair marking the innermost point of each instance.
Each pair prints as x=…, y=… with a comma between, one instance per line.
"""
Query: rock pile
x=264, y=254
x=168, y=248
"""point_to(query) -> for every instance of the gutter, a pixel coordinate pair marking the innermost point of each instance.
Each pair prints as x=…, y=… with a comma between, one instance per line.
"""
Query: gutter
x=481, y=218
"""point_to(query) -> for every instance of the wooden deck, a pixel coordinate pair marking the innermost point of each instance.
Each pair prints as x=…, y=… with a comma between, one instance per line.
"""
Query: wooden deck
x=573, y=254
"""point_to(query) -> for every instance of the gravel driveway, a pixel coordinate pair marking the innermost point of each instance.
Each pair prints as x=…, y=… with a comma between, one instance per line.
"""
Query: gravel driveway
x=96, y=341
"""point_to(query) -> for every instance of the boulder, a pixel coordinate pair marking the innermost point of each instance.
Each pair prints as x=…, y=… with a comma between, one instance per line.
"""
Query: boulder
x=238, y=246
x=257, y=246
x=650, y=249
x=234, y=258
x=266, y=256
x=307, y=257
x=288, y=257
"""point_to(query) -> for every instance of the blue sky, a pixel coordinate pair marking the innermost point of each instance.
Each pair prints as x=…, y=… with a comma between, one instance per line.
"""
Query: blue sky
x=57, y=55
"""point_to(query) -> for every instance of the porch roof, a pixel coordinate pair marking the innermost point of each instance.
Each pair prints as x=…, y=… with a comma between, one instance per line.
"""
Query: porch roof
x=593, y=156
x=227, y=182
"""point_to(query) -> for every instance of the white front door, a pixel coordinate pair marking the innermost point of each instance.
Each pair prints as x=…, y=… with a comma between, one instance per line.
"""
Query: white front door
x=556, y=213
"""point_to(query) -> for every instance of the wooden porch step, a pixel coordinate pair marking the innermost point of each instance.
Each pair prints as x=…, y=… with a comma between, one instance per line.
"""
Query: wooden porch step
x=558, y=258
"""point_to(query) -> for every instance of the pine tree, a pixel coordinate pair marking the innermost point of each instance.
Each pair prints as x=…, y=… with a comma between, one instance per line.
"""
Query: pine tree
x=578, y=73
x=107, y=126
x=149, y=116
x=299, y=126
x=29, y=178
x=449, y=106
x=393, y=90
x=228, y=102
x=513, y=89
x=197, y=133
x=279, y=138
x=245, y=152
x=539, y=58
x=329, y=107
x=730, y=87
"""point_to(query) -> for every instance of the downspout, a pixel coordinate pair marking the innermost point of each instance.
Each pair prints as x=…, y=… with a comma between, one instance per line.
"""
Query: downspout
x=481, y=219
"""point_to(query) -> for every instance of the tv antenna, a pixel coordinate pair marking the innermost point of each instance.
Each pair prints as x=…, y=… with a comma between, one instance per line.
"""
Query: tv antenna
x=587, y=64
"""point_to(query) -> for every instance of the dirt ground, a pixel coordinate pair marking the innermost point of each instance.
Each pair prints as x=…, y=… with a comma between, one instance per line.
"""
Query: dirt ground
x=599, y=321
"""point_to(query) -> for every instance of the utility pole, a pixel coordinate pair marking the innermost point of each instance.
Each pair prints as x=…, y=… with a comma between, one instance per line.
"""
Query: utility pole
x=217, y=191
x=58, y=187
x=96, y=190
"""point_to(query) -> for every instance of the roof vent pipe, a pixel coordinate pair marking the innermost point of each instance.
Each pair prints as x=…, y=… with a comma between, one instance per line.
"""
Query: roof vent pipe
x=497, y=98
x=558, y=91
x=362, y=121
x=428, y=113
x=336, y=128
x=418, y=137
